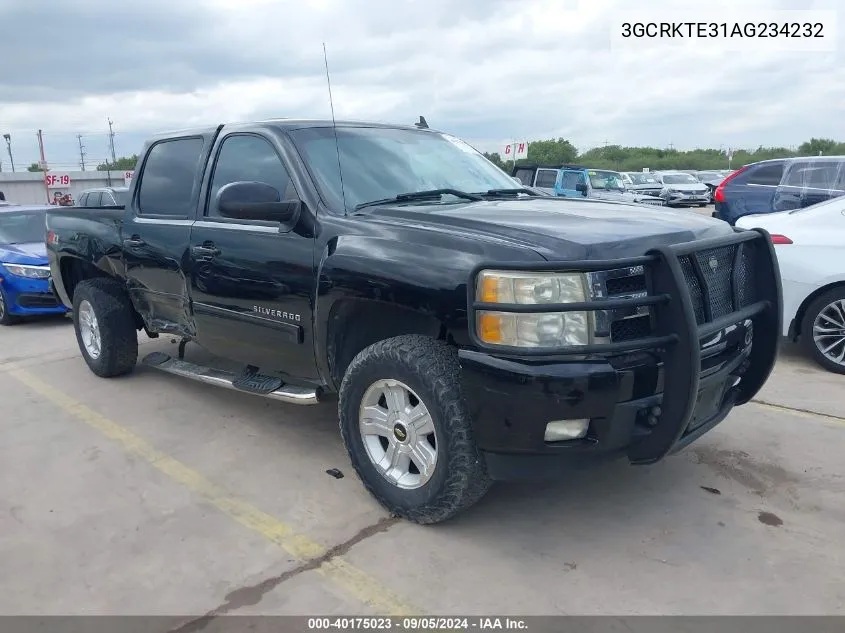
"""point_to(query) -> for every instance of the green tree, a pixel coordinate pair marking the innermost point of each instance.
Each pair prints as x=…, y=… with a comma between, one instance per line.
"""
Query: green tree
x=550, y=152
x=821, y=147
x=34, y=167
x=494, y=158
x=124, y=163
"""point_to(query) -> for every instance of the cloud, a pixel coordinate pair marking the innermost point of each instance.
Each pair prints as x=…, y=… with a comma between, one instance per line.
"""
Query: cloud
x=486, y=70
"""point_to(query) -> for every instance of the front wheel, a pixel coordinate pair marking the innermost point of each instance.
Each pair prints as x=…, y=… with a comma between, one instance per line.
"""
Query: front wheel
x=6, y=317
x=823, y=330
x=407, y=429
x=104, y=321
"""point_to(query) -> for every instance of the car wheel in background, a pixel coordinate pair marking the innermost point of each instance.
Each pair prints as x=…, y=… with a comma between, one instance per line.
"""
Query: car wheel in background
x=104, y=321
x=823, y=330
x=6, y=317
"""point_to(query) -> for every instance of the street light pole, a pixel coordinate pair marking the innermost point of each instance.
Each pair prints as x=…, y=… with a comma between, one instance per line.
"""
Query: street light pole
x=8, y=138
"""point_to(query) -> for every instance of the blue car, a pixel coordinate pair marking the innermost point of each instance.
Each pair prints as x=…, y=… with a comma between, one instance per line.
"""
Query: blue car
x=24, y=273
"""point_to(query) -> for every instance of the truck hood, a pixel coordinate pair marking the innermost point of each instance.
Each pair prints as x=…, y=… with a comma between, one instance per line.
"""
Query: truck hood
x=32, y=253
x=560, y=228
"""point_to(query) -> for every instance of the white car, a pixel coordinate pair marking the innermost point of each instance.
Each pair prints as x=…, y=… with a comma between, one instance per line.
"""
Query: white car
x=810, y=247
x=680, y=189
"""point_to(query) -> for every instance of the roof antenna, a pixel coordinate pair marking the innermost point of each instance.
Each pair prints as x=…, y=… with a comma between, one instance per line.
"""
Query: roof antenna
x=422, y=124
x=334, y=129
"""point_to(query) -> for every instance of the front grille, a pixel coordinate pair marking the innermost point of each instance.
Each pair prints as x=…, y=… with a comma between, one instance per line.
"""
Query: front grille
x=37, y=301
x=625, y=285
x=718, y=281
x=630, y=328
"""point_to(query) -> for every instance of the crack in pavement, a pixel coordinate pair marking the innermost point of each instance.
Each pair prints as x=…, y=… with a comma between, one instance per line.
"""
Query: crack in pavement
x=836, y=418
x=253, y=594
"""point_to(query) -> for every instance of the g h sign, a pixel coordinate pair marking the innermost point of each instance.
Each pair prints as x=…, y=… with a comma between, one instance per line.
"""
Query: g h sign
x=515, y=151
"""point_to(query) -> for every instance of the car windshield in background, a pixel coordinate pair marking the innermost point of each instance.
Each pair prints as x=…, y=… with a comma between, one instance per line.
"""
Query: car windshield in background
x=709, y=175
x=120, y=197
x=22, y=228
x=605, y=180
x=643, y=179
x=380, y=163
x=679, y=179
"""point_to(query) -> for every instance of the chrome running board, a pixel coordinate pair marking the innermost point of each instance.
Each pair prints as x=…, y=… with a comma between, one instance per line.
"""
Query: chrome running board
x=221, y=378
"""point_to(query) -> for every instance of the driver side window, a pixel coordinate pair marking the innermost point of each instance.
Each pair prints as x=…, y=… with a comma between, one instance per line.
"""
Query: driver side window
x=245, y=157
x=571, y=180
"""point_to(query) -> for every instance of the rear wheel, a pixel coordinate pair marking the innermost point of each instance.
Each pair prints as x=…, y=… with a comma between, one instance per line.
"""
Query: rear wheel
x=104, y=321
x=407, y=429
x=6, y=318
x=823, y=330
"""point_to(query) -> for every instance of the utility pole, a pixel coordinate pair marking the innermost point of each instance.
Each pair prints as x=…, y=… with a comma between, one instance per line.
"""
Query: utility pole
x=111, y=142
x=8, y=138
x=43, y=164
x=81, y=152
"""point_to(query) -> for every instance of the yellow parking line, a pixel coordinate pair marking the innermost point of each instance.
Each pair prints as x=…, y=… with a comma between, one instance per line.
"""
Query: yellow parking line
x=800, y=413
x=359, y=584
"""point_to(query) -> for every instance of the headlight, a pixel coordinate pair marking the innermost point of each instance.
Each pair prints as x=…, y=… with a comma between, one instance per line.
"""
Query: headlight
x=30, y=272
x=531, y=329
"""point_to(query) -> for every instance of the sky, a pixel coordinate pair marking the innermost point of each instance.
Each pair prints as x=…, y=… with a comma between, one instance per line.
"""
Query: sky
x=488, y=71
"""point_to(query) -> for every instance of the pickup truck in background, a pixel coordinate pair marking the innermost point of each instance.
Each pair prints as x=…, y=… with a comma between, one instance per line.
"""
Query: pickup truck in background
x=470, y=330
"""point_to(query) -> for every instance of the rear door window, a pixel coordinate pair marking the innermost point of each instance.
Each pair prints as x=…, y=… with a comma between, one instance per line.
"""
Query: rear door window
x=94, y=199
x=546, y=177
x=169, y=176
x=571, y=180
x=766, y=175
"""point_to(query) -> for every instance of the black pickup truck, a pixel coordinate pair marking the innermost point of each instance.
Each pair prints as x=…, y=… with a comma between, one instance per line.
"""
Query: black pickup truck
x=470, y=330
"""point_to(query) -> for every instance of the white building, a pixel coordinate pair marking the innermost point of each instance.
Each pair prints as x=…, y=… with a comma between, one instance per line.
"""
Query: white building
x=25, y=187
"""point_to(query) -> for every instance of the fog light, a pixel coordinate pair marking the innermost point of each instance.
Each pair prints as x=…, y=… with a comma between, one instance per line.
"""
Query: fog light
x=560, y=430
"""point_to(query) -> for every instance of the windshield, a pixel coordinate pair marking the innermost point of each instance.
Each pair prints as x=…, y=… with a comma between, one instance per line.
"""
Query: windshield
x=22, y=228
x=605, y=180
x=380, y=163
x=643, y=179
x=120, y=197
x=679, y=179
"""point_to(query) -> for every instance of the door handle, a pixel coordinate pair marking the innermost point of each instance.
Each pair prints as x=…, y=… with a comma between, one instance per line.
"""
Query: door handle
x=134, y=242
x=206, y=251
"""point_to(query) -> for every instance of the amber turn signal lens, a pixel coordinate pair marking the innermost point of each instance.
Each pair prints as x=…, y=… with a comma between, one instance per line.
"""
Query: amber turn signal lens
x=490, y=328
x=489, y=289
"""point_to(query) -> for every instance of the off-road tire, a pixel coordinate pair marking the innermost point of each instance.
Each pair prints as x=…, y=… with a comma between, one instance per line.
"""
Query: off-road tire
x=116, y=320
x=431, y=369
x=810, y=314
x=7, y=318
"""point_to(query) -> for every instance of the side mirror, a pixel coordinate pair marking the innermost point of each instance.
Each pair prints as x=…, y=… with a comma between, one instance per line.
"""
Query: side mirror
x=255, y=201
x=581, y=187
x=517, y=180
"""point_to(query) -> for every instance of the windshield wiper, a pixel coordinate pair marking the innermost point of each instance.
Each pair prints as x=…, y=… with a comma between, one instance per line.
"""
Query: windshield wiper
x=508, y=192
x=421, y=195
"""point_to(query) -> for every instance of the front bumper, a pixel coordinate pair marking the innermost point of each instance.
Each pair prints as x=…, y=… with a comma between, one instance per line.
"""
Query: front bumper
x=30, y=297
x=645, y=398
x=686, y=199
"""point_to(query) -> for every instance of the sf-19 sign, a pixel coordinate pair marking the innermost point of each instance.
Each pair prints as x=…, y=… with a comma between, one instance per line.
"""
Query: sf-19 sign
x=57, y=181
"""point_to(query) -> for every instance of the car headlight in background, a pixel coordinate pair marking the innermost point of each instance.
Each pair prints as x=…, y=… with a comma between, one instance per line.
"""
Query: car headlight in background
x=531, y=329
x=30, y=272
